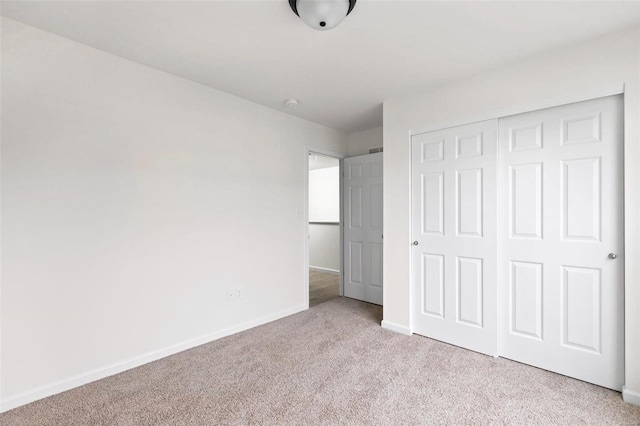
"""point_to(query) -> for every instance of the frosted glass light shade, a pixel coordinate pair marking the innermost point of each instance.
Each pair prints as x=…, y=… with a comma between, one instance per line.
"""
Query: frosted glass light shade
x=322, y=15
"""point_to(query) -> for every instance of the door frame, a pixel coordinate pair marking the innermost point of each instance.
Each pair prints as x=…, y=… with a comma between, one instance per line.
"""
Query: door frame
x=520, y=109
x=340, y=157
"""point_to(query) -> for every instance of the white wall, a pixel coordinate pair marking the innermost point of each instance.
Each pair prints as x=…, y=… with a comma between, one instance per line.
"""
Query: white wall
x=324, y=194
x=359, y=143
x=324, y=247
x=324, y=206
x=131, y=201
x=590, y=66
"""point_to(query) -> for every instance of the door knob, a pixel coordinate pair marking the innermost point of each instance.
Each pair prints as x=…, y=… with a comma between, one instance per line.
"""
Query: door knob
x=415, y=243
x=612, y=255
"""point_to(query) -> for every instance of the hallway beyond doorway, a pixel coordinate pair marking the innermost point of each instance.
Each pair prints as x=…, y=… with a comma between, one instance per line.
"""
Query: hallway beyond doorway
x=323, y=286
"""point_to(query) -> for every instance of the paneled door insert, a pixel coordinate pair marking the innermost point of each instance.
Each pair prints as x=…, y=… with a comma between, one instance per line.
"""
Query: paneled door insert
x=454, y=236
x=560, y=186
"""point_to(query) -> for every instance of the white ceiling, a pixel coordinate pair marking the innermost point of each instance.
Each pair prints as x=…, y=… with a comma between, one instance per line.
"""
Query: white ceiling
x=261, y=51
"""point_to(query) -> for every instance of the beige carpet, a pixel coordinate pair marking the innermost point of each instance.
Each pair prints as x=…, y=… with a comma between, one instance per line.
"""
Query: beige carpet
x=332, y=364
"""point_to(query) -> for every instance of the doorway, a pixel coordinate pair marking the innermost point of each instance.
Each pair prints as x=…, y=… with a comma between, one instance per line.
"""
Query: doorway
x=324, y=230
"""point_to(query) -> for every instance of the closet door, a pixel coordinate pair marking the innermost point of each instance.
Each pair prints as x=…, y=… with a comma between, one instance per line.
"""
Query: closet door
x=561, y=240
x=454, y=236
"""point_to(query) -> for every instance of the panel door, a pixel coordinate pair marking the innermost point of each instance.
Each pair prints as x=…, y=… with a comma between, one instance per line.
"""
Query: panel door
x=561, y=296
x=363, y=228
x=454, y=236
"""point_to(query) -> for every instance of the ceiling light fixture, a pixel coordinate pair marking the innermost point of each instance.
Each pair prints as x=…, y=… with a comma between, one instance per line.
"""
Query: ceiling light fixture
x=322, y=15
x=291, y=102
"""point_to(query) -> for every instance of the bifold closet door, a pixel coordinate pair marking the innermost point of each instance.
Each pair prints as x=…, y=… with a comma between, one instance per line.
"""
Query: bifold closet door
x=363, y=228
x=454, y=236
x=561, y=240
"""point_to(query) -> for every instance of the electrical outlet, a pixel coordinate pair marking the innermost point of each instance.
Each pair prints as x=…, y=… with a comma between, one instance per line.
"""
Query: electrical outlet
x=231, y=295
x=239, y=293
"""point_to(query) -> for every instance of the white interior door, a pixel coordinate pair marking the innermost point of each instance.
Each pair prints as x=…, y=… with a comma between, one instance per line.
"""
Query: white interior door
x=454, y=236
x=363, y=228
x=561, y=296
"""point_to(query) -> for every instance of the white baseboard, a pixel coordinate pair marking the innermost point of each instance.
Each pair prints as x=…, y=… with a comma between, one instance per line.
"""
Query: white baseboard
x=396, y=327
x=318, y=268
x=630, y=397
x=109, y=370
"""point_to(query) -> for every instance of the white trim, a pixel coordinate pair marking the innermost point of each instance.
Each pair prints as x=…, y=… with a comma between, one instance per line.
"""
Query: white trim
x=325, y=152
x=342, y=219
x=109, y=370
x=321, y=269
x=396, y=327
x=519, y=109
x=630, y=397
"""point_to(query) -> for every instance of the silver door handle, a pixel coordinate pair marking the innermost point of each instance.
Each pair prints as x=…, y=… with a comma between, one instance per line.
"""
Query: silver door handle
x=612, y=255
x=415, y=243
